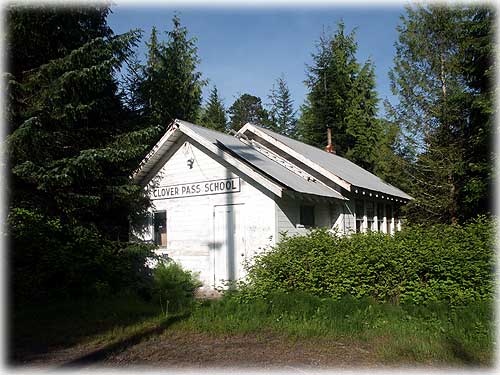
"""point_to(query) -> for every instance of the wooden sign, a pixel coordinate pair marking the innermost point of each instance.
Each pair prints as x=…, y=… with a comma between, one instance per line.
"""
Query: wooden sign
x=222, y=186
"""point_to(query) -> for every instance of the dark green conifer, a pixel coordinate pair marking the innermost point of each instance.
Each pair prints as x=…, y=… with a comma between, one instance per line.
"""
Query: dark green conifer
x=214, y=115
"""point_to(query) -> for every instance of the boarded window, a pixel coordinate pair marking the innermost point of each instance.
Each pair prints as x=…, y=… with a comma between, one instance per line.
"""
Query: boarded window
x=307, y=215
x=160, y=228
x=360, y=213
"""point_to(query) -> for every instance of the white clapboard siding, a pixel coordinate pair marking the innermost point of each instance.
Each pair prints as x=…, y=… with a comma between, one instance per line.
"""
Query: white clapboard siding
x=190, y=220
x=327, y=215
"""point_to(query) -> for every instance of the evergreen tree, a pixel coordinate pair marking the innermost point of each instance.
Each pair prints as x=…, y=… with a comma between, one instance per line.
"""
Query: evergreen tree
x=435, y=111
x=248, y=108
x=172, y=86
x=38, y=35
x=151, y=89
x=392, y=157
x=342, y=97
x=71, y=153
x=477, y=68
x=281, y=112
x=362, y=125
x=214, y=115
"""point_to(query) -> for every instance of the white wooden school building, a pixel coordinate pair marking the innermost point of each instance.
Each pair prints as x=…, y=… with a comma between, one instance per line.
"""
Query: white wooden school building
x=219, y=199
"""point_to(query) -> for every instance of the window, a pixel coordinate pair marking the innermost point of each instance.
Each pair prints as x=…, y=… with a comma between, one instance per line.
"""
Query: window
x=160, y=228
x=380, y=216
x=396, y=218
x=388, y=211
x=307, y=216
x=370, y=212
x=359, y=210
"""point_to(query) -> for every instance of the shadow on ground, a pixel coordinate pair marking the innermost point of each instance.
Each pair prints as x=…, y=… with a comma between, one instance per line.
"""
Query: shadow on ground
x=102, y=353
x=35, y=331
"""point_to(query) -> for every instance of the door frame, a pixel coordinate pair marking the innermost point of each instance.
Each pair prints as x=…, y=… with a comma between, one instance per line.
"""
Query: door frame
x=213, y=250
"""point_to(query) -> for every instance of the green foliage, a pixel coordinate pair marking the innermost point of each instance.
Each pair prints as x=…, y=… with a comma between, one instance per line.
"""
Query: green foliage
x=391, y=158
x=442, y=76
x=398, y=333
x=54, y=260
x=214, y=115
x=72, y=149
x=58, y=31
x=341, y=96
x=418, y=265
x=174, y=287
x=281, y=112
x=170, y=86
x=248, y=108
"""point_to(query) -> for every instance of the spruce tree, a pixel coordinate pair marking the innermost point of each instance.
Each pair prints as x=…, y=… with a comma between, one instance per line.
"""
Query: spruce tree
x=172, y=86
x=341, y=96
x=71, y=154
x=42, y=33
x=281, y=112
x=476, y=41
x=362, y=125
x=214, y=115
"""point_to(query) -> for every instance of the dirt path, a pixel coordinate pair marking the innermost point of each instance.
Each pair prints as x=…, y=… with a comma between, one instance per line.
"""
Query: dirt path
x=178, y=349
x=175, y=349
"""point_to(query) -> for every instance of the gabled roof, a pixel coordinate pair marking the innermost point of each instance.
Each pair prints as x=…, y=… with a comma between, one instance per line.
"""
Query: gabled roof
x=262, y=169
x=345, y=173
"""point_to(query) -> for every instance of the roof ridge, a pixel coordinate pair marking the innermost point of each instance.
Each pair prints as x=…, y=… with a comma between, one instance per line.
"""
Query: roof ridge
x=351, y=164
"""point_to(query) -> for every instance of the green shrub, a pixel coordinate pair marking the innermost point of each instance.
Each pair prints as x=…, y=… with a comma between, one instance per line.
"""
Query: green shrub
x=49, y=259
x=174, y=287
x=452, y=263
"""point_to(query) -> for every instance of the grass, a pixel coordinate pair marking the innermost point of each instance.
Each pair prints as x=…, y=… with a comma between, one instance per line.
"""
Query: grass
x=415, y=335
x=436, y=334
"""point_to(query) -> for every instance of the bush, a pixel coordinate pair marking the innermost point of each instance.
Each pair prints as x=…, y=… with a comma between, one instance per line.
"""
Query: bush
x=451, y=263
x=174, y=287
x=50, y=259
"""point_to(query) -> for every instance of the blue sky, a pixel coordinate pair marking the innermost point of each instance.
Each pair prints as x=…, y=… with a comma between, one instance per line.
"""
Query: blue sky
x=247, y=49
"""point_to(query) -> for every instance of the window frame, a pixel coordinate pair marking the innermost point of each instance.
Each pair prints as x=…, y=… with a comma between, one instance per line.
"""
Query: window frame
x=380, y=215
x=157, y=235
x=301, y=215
x=359, y=218
x=389, y=216
x=370, y=220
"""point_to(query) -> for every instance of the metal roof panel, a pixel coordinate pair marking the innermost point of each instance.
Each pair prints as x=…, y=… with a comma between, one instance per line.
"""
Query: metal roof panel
x=263, y=163
x=343, y=168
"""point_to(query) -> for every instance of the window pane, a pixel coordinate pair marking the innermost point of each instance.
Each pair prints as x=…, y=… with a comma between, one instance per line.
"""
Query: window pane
x=358, y=226
x=307, y=216
x=388, y=210
x=380, y=211
x=359, y=209
x=160, y=228
x=380, y=216
x=370, y=210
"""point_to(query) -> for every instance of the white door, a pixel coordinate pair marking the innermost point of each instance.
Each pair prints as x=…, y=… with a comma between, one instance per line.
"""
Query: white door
x=229, y=244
